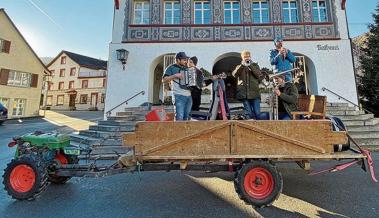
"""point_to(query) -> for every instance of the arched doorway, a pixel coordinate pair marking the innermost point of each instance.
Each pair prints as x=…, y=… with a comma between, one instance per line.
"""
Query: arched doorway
x=227, y=63
x=307, y=83
x=156, y=73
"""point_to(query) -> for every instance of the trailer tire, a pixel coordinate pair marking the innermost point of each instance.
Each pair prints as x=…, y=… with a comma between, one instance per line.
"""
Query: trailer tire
x=258, y=183
x=25, y=177
x=61, y=159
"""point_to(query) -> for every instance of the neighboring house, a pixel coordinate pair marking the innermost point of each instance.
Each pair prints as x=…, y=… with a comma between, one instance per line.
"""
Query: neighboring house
x=217, y=31
x=21, y=72
x=77, y=83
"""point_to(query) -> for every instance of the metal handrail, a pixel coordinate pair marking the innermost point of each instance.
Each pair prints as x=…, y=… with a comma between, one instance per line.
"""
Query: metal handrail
x=340, y=97
x=124, y=102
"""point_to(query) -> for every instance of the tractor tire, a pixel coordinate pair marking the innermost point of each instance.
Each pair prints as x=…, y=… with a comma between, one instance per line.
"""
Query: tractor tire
x=258, y=183
x=25, y=177
x=62, y=159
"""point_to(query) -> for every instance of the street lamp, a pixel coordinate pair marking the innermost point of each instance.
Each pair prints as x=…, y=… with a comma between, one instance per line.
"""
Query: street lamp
x=122, y=55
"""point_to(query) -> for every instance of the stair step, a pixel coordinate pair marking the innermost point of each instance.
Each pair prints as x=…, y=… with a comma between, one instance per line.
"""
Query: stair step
x=137, y=113
x=357, y=117
x=365, y=135
x=94, y=141
x=345, y=113
x=116, y=123
x=340, y=109
x=110, y=150
x=367, y=142
x=337, y=104
x=100, y=134
x=126, y=128
x=363, y=128
x=370, y=122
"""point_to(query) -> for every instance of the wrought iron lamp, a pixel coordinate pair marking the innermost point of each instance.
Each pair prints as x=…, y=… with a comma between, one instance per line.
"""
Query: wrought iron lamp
x=122, y=55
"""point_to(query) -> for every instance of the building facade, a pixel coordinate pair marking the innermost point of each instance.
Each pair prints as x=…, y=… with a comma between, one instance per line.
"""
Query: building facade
x=77, y=82
x=22, y=73
x=217, y=31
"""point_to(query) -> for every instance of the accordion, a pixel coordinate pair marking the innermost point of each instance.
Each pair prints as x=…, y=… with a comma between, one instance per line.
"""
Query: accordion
x=190, y=77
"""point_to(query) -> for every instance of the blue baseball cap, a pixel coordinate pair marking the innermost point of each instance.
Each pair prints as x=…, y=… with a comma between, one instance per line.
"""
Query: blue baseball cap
x=278, y=39
x=181, y=55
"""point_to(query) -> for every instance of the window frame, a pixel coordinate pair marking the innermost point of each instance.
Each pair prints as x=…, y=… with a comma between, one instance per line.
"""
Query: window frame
x=58, y=96
x=289, y=9
x=15, y=110
x=18, y=79
x=63, y=59
x=62, y=72
x=260, y=11
x=142, y=12
x=202, y=11
x=172, y=12
x=81, y=99
x=232, y=11
x=47, y=100
x=83, y=84
x=318, y=8
x=73, y=84
x=72, y=71
x=59, y=85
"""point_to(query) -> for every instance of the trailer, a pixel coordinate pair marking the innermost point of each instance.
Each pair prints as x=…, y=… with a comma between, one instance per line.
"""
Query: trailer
x=249, y=149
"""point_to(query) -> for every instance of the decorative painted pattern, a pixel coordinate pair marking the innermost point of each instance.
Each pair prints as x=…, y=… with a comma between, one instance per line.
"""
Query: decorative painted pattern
x=293, y=32
x=277, y=11
x=232, y=33
x=186, y=11
x=246, y=11
x=171, y=34
x=156, y=12
x=320, y=32
x=201, y=34
x=307, y=10
x=217, y=12
x=140, y=34
x=262, y=33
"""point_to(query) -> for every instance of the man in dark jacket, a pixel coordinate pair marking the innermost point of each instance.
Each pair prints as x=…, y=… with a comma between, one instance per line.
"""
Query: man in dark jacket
x=248, y=77
x=287, y=98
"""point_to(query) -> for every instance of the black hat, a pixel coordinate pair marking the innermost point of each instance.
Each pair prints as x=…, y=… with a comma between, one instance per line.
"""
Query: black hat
x=194, y=60
x=181, y=55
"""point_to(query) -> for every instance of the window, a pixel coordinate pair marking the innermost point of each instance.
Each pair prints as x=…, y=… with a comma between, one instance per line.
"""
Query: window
x=83, y=99
x=63, y=60
x=49, y=86
x=141, y=12
x=5, y=46
x=61, y=85
x=62, y=72
x=319, y=11
x=102, y=100
x=85, y=84
x=72, y=71
x=19, y=107
x=5, y=102
x=104, y=83
x=52, y=73
x=19, y=79
x=60, y=100
x=232, y=12
x=71, y=84
x=202, y=12
x=172, y=12
x=261, y=12
x=290, y=12
x=49, y=100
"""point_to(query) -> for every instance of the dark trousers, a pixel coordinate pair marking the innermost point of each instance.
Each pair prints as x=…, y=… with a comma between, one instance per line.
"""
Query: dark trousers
x=196, y=99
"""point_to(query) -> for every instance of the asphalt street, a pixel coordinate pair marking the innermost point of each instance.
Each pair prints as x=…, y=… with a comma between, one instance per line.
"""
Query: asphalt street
x=349, y=193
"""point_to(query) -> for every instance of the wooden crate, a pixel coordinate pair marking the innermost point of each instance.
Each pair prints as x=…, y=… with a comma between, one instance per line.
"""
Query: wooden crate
x=189, y=140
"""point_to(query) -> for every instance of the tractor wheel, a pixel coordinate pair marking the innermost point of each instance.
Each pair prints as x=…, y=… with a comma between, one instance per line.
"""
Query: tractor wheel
x=62, y=160
x=258, y=183
x=25, y=177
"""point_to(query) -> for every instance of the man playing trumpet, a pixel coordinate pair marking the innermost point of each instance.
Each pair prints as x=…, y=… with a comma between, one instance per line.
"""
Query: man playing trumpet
x=282, y=58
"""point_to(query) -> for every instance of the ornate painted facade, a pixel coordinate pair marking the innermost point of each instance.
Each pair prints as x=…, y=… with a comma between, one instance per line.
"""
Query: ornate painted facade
x=157, y=31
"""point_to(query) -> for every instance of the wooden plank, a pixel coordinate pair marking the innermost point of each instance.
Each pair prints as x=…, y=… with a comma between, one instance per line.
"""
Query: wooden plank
x=129, y=139
x=281, y=137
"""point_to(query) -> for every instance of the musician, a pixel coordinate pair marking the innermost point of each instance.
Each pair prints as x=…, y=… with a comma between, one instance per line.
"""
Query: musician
x=282, y=58
x=200, y=83
x=287, y=97
x=248, y=77
x=182, y=94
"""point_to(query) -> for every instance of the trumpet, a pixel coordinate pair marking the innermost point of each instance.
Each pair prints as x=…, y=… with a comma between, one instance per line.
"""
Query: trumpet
x=247, y=62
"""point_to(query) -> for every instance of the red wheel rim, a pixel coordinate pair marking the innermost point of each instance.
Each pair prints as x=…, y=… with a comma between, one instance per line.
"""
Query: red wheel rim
x=258, y=183
x=22, y=178
x=61, y=158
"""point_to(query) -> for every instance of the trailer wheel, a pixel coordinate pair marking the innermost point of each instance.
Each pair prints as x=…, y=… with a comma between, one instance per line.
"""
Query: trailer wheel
x=258, y=183
x=61, y=159
x=25, y=177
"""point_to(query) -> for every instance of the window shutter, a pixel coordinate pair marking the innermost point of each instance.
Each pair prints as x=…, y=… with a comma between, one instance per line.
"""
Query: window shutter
x=34, y=82
x=4, y=75
x=7, y=46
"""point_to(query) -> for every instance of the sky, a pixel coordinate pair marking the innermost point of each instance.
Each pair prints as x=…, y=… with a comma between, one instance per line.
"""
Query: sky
x=85, y=26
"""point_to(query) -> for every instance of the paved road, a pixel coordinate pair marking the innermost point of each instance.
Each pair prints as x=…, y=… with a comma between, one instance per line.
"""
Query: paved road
x=350, y=193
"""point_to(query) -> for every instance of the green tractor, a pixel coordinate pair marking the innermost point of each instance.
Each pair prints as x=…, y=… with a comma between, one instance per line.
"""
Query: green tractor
x=37, y=157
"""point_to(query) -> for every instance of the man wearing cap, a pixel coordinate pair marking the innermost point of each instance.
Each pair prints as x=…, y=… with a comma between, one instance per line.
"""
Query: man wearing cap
x=287, y=98
x=182, y=94
x=282, y=58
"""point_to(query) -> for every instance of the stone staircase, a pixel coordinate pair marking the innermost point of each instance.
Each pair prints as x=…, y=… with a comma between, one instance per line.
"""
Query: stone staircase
x=105, y=138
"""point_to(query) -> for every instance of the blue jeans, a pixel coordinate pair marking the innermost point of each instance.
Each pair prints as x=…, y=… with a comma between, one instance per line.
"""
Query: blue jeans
x=183, y=105
x=284, y=116
x=252, y=108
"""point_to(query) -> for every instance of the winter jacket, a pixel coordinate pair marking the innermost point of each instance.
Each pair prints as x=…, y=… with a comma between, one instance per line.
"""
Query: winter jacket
x=248, y=79
x=289, y=98
x=282, y=64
